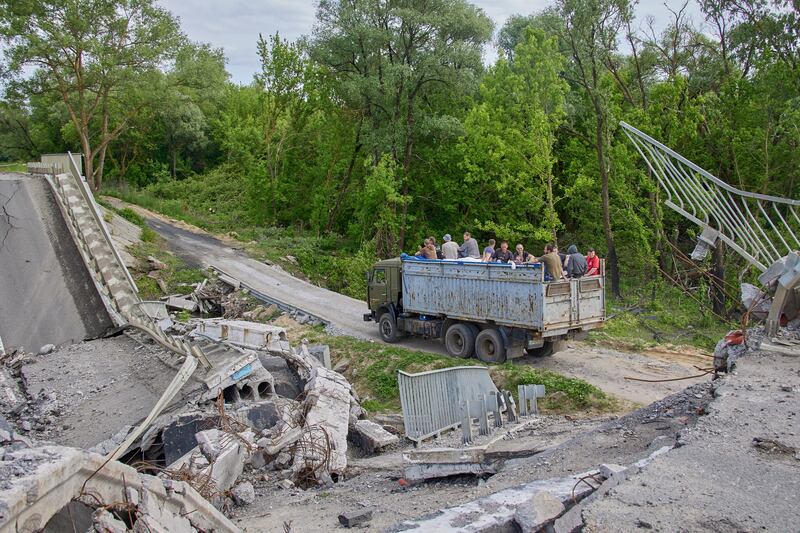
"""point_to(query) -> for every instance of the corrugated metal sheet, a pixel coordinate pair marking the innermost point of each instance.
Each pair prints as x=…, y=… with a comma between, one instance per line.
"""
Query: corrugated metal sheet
x=431, y=401
x=483, y=291
x=495, y=292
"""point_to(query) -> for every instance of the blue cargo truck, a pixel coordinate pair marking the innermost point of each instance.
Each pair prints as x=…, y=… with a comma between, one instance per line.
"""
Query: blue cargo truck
x=493, y=311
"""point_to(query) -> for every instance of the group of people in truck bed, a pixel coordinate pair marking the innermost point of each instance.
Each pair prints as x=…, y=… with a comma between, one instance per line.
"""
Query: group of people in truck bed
x=557, y=265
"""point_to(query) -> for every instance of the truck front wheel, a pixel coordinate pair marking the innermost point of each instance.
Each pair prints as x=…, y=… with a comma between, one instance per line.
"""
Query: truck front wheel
x=489, y=346
x=388, y=328
x=459, y=340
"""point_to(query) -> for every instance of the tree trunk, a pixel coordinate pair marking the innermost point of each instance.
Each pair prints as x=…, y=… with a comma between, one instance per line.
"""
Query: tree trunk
x=88, y=167
x=551, y=206
x=611, y=257
x=174, y=160
x=718, y=280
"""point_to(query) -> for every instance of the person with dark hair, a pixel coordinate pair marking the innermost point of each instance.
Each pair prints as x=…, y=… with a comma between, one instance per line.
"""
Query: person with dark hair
x=592, y=263
x=504, y=255
x=469, y=248
x=488, y=252
x=575, y=263
x=552, y=263
x=427, y=250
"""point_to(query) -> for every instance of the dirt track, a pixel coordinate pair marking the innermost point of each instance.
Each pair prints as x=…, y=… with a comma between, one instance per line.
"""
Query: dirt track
x=603, y=367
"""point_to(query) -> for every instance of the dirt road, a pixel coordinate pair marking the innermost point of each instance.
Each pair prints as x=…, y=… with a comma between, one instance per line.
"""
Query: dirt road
x=605, y=368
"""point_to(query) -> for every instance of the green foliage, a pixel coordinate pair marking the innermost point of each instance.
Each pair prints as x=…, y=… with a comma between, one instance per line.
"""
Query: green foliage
x=131, y=216
x=564, y=394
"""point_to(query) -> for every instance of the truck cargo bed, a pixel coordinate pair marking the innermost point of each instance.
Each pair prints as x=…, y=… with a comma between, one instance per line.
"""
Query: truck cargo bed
x=499, y=294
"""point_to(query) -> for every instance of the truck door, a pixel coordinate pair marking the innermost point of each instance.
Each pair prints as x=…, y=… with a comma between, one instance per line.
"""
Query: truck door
x=377, y=289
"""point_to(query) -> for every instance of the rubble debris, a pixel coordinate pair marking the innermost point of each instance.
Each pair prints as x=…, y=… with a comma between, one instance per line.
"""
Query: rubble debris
x=261, y=313
x=243, y=493
x=252, y=335
x=37, y=483
x=328, y=400
x=183, y=303
x=538, y=511
x=755, y=301
x=46, y=349
x=433, y=463
x=286, y=484
x=228, y=464
x=496, y=512
x=342, y=366
x=355, y=518
x=323, y=354
x=155, y=264
x=273, y=446
x=371, y=437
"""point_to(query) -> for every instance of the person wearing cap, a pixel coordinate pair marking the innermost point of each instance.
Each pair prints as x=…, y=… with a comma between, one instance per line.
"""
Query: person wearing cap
x=449, y=248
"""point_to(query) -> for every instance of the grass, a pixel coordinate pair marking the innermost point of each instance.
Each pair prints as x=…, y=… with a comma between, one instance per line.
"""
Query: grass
x=373, y=371
x=174, y=276
x=14, y=167
x=641, y=321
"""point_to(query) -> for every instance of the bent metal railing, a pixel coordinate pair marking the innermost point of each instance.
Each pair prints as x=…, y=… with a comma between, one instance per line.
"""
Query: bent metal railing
x=432, y=400
x=761, y=228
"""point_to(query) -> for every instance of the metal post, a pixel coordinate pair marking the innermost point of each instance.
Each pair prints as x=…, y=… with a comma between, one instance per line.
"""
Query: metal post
x=523, y=400
x=494, y=402
x=466, y=423
x=479, y=406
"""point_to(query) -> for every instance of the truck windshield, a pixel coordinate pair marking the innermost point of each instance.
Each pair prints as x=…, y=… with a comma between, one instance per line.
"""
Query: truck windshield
x=379, y=276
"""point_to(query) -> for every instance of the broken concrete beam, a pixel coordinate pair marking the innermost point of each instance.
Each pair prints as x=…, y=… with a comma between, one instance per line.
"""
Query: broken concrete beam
x=38, y=482
x=443, y=462
x=371, y=437
x=252, y=335
x=155, y=263
x=328, y=401
x=228, y=466
x=274, y=446
x=356, y=517
x=513, y=449
x=184, y=304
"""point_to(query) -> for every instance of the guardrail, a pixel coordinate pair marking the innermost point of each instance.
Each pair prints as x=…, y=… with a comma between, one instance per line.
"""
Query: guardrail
x=432, y=401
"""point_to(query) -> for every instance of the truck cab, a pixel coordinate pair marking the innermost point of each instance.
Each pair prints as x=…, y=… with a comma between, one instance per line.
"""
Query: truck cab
x=490, y=310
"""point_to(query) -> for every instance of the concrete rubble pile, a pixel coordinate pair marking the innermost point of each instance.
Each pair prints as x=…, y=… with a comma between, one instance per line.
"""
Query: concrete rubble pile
x=264, y=409
x=57, y=488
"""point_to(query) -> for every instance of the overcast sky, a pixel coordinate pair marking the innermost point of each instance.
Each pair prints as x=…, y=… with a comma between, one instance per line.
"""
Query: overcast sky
x=235, y=24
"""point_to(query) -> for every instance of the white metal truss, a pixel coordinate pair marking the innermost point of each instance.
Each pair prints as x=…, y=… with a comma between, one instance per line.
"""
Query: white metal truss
x=761, y=228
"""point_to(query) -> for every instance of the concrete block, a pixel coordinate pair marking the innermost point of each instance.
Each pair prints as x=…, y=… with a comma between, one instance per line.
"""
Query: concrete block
x=243, y=493
x=443, y=462
x=323, y=354
x=372, y=437
x=538, y=511
x=356, y=517
x=104, y=522
x=274, y=446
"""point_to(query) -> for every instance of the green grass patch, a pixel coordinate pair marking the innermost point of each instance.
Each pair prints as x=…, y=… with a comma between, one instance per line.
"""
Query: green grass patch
x=642, y=321
x=132, y=216
x=14, y=167
x=374, y=365
x=174, y=275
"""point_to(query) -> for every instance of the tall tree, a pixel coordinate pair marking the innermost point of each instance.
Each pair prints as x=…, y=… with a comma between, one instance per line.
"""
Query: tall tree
x=390, y=59
x=90, y=53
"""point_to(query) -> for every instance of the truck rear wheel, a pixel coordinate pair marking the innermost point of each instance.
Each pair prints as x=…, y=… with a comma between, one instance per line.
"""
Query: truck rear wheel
x=547, y=349
x=459, y=340
x=388, y=328
x=489, y=346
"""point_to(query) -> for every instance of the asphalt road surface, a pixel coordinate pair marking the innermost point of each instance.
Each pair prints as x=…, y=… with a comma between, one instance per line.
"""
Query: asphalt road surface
x=46, y=294
x=342, y=313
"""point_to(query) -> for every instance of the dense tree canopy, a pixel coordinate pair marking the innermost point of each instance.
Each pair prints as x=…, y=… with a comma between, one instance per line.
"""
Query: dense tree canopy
x=384, y=125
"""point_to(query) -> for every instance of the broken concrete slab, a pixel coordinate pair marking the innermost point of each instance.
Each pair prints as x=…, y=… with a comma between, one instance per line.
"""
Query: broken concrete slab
x=182, y=303
x=434, y=463
x=371, y=437
x=323, y=354
x=328, y=397
x=356, y=517
x=275, y=445
x=228, y=466
x=496, y=511
x=252, y=335
x=538, y=511
x=36, y=483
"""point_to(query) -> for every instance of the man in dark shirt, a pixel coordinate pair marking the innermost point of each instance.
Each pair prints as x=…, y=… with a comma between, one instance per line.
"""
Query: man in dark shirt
x=521, y=256
x=503, y=255
x=576, y=262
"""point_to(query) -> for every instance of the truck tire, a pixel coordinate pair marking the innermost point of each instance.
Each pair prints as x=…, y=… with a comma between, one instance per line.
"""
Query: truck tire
x=459, y=340
x=489, y=346
x=546, y=350
x=388, y=328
